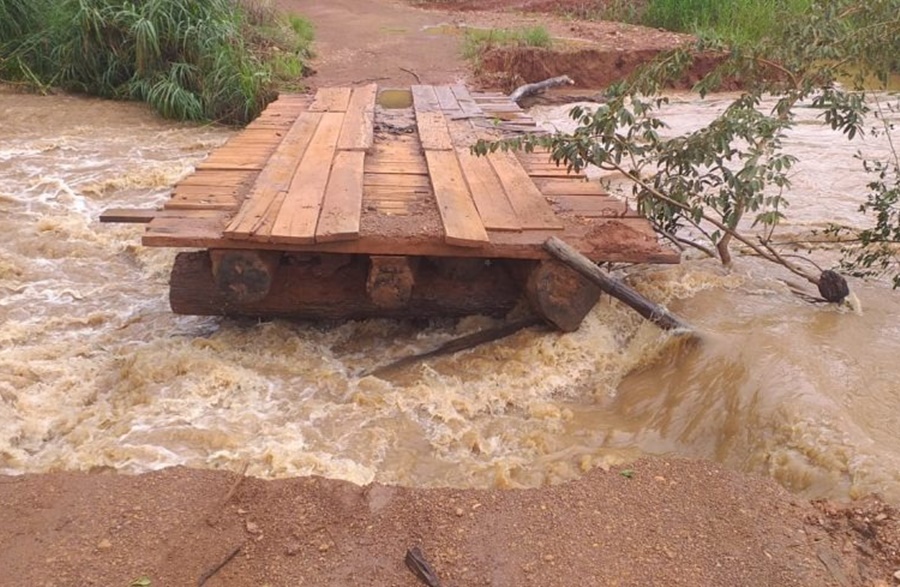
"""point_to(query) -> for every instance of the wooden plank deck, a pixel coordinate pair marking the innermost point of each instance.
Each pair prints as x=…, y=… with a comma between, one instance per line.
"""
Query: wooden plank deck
x=333, y=173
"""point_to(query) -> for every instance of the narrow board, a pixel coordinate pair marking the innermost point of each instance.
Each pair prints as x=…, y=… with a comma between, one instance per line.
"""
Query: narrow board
x=490, y=199
x=359, y=124
x=331, y=100
x=466, y=103
x=296, y=220
x=342, y=206
x=433, y=131
x=531, y=206
x=425, y=99
x=274, y=178
x=462, y=224
x=447, y=99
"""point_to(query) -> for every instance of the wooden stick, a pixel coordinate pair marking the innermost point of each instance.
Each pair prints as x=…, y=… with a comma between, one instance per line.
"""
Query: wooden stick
x=460, y=344
x=212, y=571
x=652, y=312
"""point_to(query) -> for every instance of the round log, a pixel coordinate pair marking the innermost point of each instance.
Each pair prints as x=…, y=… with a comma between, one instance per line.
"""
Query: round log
x=391, y=280
x=244, y=275
x=560, y=295
x=302, y=290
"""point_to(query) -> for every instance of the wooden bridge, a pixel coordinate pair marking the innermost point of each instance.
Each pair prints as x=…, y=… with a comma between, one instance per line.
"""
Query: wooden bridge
x=338, y=174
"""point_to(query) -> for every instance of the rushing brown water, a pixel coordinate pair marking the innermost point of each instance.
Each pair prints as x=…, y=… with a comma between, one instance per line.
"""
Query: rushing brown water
x=95, y=372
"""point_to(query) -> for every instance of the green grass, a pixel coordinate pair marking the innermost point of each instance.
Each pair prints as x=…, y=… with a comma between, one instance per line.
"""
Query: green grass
x=477, y=41
x=217, y=60
x=737, y=21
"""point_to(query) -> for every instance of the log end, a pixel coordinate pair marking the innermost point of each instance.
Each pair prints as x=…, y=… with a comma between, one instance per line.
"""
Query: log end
x=560, y=295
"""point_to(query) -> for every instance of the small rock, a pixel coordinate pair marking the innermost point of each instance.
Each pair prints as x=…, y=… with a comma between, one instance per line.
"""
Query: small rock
x=252, y=527
x=104, y=544
x=292, y=549
x=897, y=575
x=324, y=547
x=549, y=557
x=459, y=512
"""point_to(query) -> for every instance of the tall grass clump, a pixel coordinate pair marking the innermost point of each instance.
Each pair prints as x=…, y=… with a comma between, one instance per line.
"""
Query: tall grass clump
x=189, y=59
x=737, y=21
x=476, y=41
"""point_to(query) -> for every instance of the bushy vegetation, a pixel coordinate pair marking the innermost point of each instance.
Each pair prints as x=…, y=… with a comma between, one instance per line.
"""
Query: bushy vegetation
x=190, y=59
x=734, y=169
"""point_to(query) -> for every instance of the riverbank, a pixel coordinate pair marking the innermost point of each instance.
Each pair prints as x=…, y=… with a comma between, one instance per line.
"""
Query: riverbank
x=656, y=522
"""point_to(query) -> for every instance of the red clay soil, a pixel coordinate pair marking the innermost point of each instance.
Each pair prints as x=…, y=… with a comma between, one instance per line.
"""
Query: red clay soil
x=658, y=522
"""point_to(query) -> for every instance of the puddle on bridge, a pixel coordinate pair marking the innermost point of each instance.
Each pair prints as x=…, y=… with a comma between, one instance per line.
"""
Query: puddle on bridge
x=393, y=99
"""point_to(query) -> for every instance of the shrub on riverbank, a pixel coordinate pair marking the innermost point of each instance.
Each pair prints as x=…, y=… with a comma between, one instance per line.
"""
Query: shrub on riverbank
x=190, y=59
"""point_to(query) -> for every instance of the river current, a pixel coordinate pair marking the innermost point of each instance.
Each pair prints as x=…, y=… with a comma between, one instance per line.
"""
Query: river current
x=96, y=373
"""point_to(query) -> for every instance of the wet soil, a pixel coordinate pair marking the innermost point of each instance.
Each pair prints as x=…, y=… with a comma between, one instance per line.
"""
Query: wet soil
x=656, y=522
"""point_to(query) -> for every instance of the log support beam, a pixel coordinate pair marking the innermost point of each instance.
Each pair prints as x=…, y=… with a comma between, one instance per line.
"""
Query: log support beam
x=244, y=276
x=390, y=281
x=560, y=295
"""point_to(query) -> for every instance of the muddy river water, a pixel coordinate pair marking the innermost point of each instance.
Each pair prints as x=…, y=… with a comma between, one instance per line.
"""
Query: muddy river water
x=96, y=373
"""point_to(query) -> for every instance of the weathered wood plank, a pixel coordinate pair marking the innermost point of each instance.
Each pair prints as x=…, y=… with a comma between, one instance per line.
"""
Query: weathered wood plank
x=462, y=224
x=274, y=179
x=331, y=100
x=466, y=103
x=571, y=187
x=342, y=205
x=397, y=179
x=531, y=206
x=358, y=130
x=425, y=99
x=447, y=99
x=128, y=215
x=296, y=220
x=433, y=131
x=490, y=199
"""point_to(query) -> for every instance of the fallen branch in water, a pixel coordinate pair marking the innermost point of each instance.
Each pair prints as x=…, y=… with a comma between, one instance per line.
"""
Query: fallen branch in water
x=538, y=87
x=460, y=344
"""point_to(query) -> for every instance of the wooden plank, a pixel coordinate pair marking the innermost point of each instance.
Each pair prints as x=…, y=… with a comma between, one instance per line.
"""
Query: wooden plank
x=466, y=103
x=342, y=205
x=462, y=224
x=571, y=187
x=358, y=130
x=128, y=215
x=433, y=131
x=490, y=199
x=598, y=207
x=217, y=178
x=425, y=99
x=331, y=100
x=531, y=206
x=397, y=179
x=447, y=99
x=261, y=203
x=296, y=220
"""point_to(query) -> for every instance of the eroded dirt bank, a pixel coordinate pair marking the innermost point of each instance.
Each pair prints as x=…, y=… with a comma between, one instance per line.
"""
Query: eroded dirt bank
x=658, y=522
